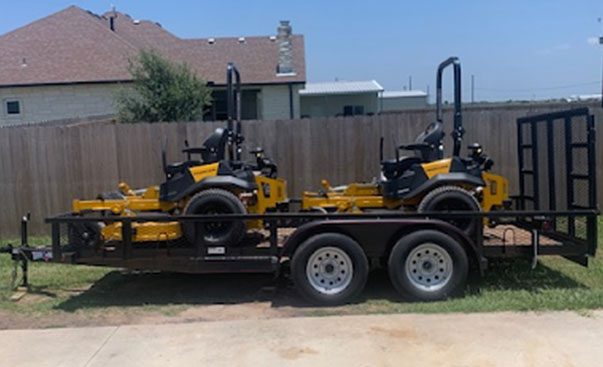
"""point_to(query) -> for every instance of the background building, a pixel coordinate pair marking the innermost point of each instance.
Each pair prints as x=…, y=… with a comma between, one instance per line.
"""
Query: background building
x=401, y=100
x=340, y=98
x=349, y=98
x=72, y=63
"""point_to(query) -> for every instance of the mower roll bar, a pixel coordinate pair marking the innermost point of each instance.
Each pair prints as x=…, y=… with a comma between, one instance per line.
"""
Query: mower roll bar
x=233, y=101
x=458, y=130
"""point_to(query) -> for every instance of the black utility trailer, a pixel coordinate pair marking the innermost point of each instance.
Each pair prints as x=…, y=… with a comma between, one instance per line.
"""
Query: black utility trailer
x=329, y=256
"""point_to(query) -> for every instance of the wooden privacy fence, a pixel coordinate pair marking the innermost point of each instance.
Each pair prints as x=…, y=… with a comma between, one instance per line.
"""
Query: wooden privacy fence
x=44, y=168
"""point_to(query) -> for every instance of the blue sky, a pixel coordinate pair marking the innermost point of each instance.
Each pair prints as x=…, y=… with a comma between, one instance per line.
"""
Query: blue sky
x=516, y=49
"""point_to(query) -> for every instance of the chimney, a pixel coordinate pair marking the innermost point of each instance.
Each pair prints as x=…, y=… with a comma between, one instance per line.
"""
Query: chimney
x=285, y=49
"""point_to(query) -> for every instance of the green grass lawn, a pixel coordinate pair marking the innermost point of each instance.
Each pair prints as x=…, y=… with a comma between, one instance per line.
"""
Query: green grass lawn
x=556, y=284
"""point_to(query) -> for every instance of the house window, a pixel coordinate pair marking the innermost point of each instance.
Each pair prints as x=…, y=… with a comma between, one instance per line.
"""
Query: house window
x=13, y=107
x=218, y=109
x=350, y=110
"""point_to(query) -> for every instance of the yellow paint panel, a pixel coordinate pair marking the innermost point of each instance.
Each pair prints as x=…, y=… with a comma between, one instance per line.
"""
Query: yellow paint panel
x=495, y=192
x=144, y=232
x=270, y=192
x=438, y=167
x=204, y=171
x=120, y=206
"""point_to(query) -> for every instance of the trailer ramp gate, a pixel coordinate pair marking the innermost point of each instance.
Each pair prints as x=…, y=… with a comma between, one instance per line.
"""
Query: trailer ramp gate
x=557, y=172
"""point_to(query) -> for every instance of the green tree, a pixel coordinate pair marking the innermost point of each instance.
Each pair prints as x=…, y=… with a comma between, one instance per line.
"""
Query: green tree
x=162, y=91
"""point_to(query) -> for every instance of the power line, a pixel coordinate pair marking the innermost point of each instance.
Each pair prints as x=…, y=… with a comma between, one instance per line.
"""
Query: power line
x=540, y=88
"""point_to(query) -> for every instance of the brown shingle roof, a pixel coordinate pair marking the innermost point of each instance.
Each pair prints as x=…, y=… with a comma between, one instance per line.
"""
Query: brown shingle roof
x=74, y=45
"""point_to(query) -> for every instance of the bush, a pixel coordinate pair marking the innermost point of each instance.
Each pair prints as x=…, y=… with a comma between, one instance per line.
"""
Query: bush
x=162, y=91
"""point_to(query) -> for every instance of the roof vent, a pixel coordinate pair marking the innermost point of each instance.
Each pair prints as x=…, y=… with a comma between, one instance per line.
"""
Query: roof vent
x=241, y=39
x=136, y=21
x=211, y=41
x=112, y=16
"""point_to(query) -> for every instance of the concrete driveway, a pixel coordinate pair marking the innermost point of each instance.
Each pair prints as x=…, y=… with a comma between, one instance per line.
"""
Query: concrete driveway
x=499, y=339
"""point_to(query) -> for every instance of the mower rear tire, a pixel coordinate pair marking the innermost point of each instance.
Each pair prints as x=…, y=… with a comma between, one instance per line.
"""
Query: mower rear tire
x=214, y=202
x=453, y=198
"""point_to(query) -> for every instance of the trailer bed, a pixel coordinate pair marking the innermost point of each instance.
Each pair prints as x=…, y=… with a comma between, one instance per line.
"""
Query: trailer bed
x=512, y=235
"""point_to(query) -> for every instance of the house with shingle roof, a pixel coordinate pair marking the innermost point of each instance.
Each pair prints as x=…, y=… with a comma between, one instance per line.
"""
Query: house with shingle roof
x=72, y=63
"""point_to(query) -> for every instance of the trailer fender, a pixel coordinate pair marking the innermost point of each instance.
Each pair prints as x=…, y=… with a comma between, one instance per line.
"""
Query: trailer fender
x=306, y=231
x=477, y=261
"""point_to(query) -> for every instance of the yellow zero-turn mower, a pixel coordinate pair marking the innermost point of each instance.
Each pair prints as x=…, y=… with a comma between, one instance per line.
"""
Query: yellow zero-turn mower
x=217, y=182
x=425, y=181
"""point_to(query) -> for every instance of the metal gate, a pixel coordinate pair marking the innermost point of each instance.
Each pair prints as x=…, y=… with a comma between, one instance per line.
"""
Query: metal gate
x=557, y=169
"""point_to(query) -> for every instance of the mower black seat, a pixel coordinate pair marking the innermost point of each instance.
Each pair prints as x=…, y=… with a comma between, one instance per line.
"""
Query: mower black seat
x=214, y=147
x=393, y=169
x=428, y=144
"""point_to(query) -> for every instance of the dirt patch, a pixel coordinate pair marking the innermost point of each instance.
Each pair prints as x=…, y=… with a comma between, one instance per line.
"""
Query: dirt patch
x=115, y=298
x=394, y=333
x=158, y=298
x=296, y=353
x=118, y=316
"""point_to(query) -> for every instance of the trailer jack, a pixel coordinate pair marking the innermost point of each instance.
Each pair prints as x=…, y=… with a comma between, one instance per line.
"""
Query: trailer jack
x=535, y=245
x=21, y=257
x=20, y=260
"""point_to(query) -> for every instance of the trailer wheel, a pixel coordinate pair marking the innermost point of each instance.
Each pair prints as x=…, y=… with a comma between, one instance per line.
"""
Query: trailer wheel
x=453, y=198
x=428, y=265
x=329, y=269
x=216, y=202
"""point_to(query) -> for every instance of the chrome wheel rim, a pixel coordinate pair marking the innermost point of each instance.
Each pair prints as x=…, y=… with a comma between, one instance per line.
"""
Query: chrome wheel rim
x=429, y=267
x=329, y=270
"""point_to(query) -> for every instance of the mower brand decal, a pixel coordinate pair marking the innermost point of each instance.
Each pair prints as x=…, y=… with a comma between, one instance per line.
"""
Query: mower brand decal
x=200, y=172
x=434, y=168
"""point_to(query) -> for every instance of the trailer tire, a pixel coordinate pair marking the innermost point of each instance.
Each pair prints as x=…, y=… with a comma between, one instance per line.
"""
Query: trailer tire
x=329, y=269
x=428, y=265
x=452, y=198
x=214, y=201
